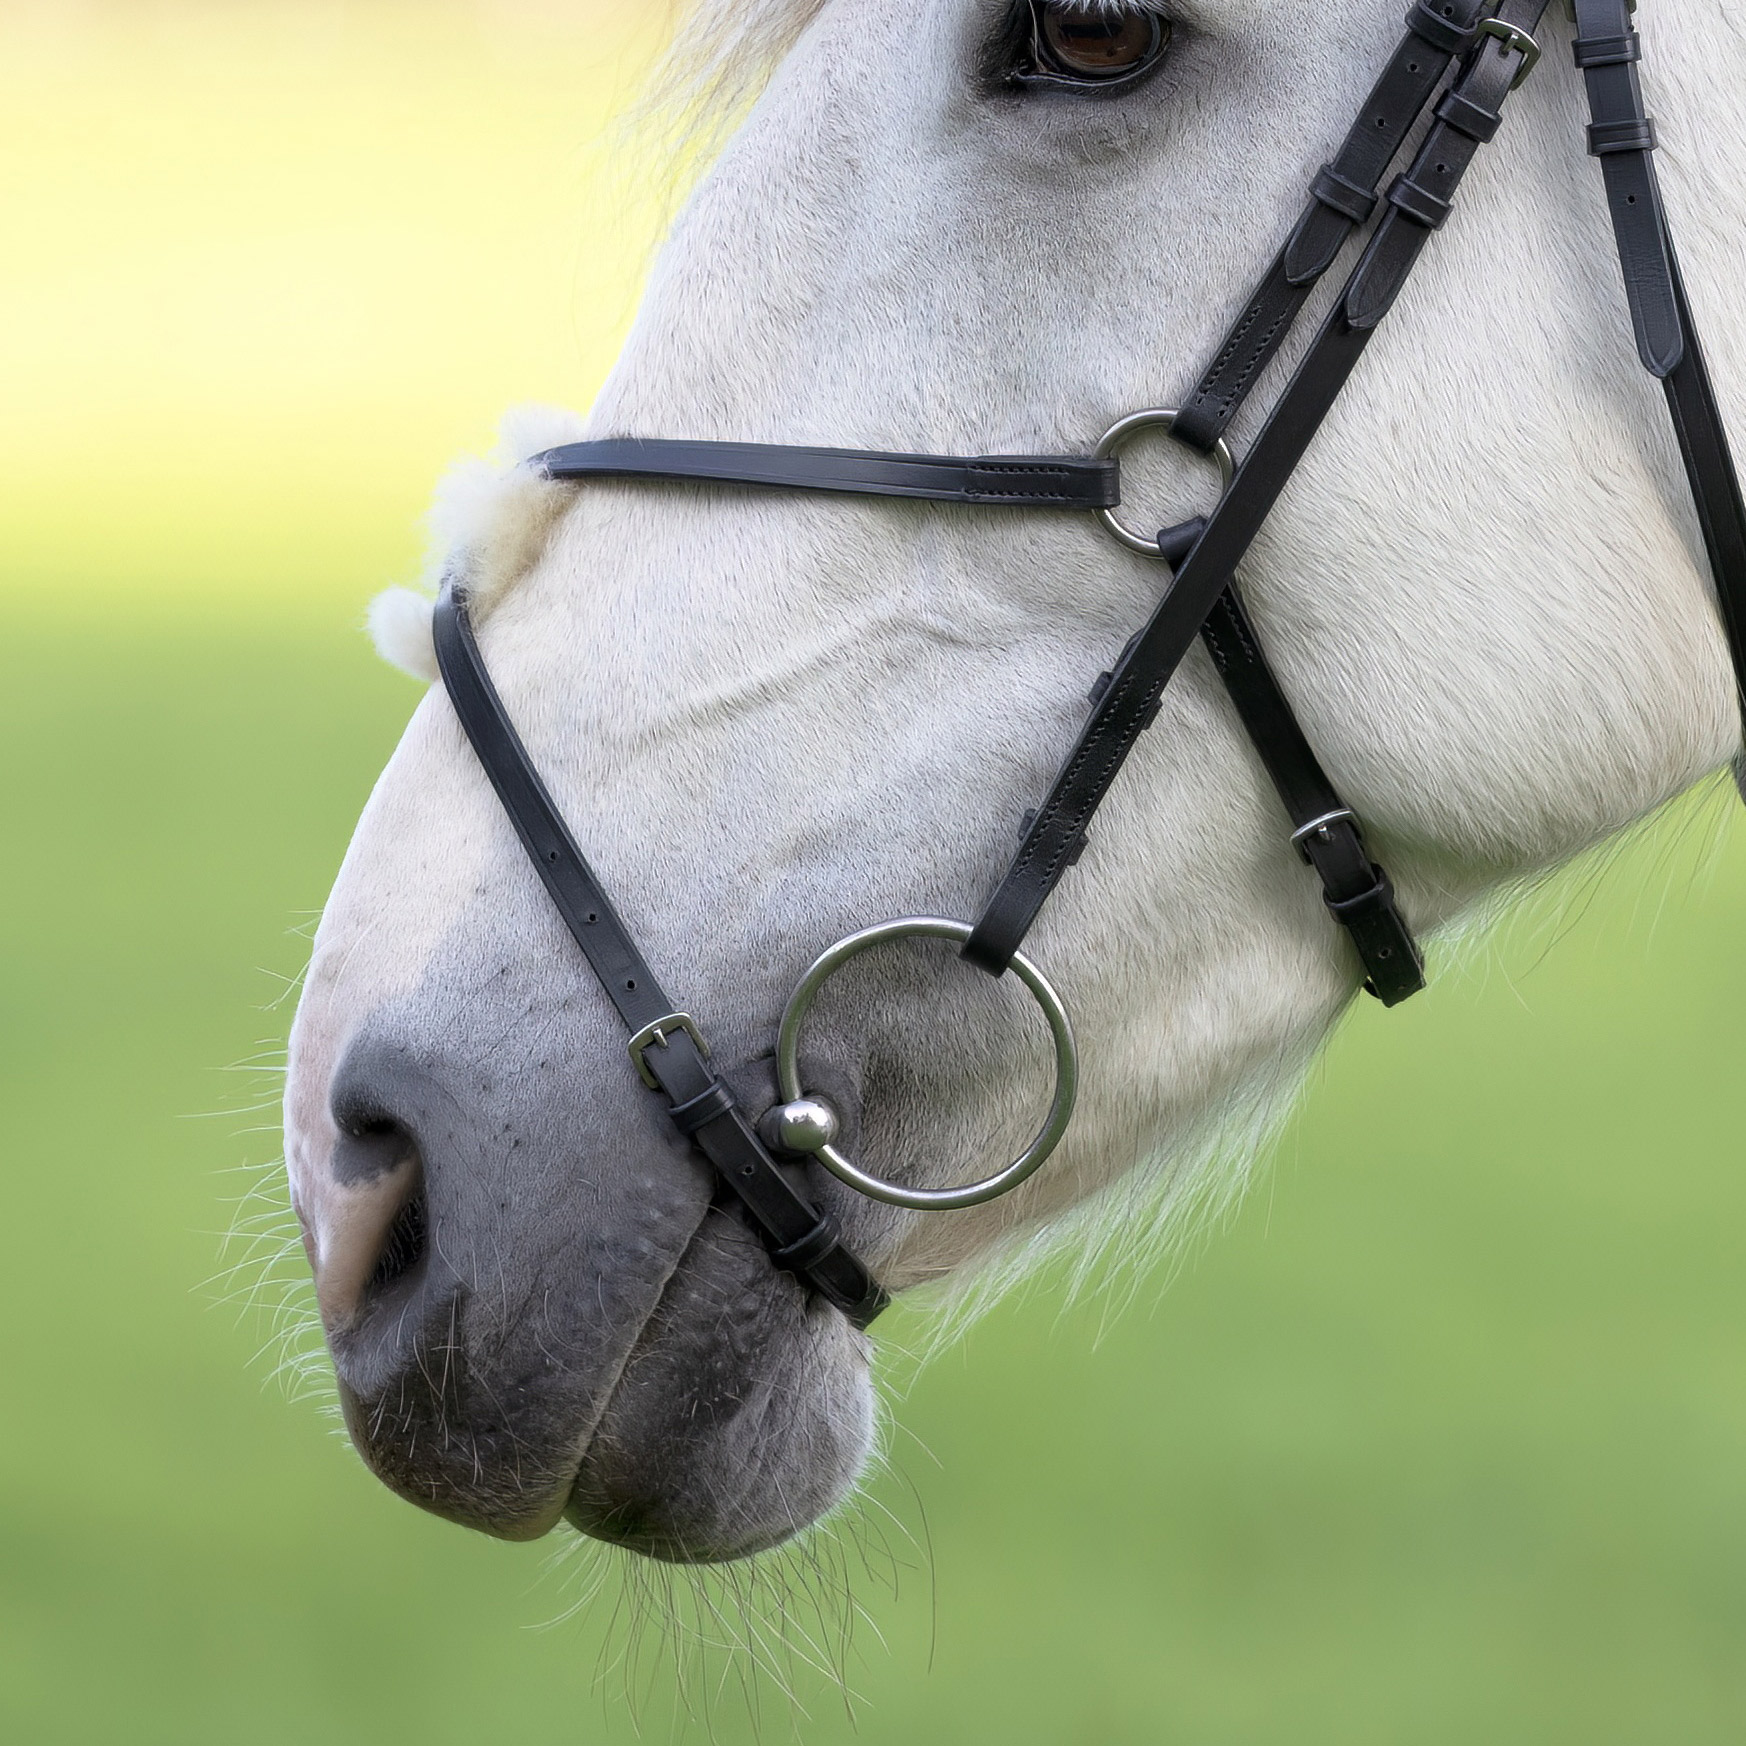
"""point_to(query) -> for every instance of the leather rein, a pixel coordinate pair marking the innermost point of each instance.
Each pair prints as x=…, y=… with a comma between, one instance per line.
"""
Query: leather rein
x=760, y=1165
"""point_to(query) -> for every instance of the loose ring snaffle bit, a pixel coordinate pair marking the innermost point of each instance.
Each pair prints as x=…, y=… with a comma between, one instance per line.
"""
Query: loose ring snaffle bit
x=808, y=1124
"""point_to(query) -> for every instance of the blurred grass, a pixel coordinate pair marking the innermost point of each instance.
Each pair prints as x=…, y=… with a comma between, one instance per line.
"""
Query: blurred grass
x=1441, y=1441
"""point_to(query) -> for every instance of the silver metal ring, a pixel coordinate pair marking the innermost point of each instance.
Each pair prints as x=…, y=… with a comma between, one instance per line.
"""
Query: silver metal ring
x=931, y=1199
x=1117, y=437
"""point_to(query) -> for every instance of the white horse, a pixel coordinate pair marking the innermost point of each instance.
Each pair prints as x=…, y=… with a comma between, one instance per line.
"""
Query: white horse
x=771, y=720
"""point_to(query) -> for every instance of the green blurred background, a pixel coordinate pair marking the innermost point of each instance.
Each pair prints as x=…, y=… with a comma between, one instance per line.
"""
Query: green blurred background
x=1442, y=1438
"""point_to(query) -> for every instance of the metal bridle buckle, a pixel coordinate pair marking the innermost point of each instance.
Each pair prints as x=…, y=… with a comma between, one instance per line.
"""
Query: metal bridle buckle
x=650, y=1035
x=1117, y=437
x=892, y=1193
x=1512, y=36
x=1318, y=827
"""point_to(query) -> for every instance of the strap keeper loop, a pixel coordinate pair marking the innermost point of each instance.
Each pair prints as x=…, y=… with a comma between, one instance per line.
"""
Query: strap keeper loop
x=1607, y=137
x=806, y=1252
x=1342, y=195
x=1380, y=896
x=1442, y=33
x=1468, y=117
x=700, y=1111
x=1419, y=204
x=1607, y=51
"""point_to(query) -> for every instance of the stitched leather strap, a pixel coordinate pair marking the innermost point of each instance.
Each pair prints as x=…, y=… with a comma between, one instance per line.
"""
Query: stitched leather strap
x=1325, y=830
x=1130, y=703
x=800, y=1236
x=1342, y=197
x=1327, y=833
x=1622, y=136
x=1023, y=481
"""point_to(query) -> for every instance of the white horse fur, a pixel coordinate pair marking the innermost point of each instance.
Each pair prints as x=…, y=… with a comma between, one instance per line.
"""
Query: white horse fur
x=772, y=719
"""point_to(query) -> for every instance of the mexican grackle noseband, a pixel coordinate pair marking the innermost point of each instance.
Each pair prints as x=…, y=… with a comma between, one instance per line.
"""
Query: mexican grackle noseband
x=1462, y=58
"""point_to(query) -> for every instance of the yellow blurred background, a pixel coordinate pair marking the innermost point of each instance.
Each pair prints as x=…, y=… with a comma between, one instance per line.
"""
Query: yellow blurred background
x=1442, y=1440
x=284, y=261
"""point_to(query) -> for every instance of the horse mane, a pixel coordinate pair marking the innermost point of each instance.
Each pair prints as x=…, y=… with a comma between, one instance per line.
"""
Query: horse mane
x=719, y=56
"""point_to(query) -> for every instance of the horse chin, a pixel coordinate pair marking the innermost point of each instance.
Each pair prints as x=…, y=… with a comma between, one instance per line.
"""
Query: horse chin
x=742, y=1416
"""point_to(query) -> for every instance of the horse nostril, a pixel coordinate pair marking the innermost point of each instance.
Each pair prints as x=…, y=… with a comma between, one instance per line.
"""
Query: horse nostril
x=408, y=1239
x=372, y=1225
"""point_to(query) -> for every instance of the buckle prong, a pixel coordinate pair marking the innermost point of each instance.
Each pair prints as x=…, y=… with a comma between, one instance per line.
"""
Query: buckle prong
x=651, y=1035
x=1318, y=827
x=1512, y=36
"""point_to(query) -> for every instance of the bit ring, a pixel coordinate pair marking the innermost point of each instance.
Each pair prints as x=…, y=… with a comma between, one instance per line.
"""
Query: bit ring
x=892, y=1193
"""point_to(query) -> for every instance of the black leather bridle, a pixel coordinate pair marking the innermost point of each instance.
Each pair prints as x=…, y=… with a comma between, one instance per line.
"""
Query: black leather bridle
x=1492, y=49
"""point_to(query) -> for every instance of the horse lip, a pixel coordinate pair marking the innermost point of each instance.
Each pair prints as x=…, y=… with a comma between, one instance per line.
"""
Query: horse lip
x=605, y=1398
x=542, y=1511
x=532, y=1526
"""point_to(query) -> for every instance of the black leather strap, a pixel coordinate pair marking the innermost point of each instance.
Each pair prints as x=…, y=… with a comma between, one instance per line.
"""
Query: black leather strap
x=1130, y=702
x=1022, y=481
x=1715, y=483
x=800, y=1236
x=1342, y=197
x=1623, y=138
x=1427, y=190
x=1324, y=829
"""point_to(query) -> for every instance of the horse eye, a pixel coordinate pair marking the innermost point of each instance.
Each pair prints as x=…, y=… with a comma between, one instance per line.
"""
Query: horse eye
x=1087, y=44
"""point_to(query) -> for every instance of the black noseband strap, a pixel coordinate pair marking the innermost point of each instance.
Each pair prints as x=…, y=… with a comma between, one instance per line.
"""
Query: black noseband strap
x=801, y=1237
x=1022, y=481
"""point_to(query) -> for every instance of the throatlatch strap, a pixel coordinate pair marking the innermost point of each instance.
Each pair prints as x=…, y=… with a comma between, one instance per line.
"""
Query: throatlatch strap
x=1130, y=703
x=1622, y=136
x=800, y=1236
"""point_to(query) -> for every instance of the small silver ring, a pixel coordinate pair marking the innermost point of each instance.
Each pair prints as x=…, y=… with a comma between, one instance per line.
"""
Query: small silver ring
x=1117, y=437
x=932, y=1199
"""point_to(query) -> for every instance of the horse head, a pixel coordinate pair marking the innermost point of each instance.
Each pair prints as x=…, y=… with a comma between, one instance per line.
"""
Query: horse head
x=973, y=226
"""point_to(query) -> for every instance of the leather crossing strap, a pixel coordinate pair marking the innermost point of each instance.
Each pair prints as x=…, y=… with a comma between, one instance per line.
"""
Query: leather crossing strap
x=1622, y=136
x=1357, y=891
x=1324, y=829
x=668, y=1050
x=1342, y=197
x=1023, y=481
x=1495, y=52
x=1130, y=703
